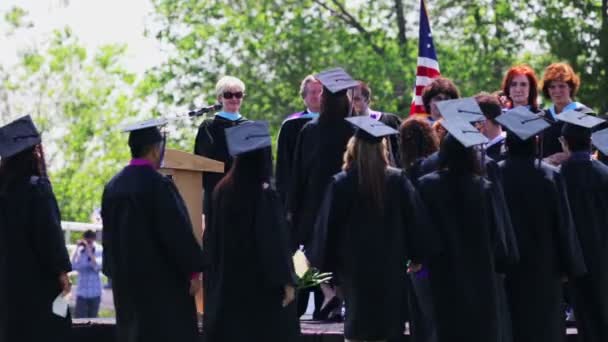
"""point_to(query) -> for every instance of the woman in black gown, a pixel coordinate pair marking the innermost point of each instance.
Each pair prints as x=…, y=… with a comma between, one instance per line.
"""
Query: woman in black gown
x=249, y=282
x=36, y=262
x=371, y=223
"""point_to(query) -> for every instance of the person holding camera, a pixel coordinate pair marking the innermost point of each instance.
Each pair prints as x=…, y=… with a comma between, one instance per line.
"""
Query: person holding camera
x=88, y=290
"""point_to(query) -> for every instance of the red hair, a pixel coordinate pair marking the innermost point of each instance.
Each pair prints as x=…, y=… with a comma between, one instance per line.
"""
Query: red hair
x=561, y=72
x=522, y=70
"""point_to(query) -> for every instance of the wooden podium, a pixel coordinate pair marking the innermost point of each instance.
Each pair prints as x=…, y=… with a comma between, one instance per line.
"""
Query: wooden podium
x=186, y=171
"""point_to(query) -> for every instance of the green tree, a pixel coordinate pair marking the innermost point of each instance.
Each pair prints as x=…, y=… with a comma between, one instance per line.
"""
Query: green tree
x=78, y=99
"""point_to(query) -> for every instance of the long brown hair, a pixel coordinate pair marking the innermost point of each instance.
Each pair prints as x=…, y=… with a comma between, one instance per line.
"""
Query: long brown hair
x=23, y=165
x=370, y=161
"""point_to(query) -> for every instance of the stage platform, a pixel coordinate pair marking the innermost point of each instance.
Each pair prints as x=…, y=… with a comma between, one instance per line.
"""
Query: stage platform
x=102, y=330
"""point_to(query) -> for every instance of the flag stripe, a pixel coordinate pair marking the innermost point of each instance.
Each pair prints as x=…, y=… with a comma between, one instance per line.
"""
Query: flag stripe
x=428, y=66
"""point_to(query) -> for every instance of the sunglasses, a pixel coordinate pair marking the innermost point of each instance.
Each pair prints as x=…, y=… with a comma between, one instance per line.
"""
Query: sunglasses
x=228, y=95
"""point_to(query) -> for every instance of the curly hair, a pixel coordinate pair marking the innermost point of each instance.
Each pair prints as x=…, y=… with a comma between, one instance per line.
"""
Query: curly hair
x=561, y=72
x=417, y=139
x=439, y=85
x=522, y=70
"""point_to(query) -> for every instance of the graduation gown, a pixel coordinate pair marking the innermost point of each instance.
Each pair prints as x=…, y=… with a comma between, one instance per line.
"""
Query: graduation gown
x=496, y=150
x=318, y=156
x=211, y=143
x=548, y=248
x=587, y=185
x=246, y=248
x=150, y=253
x=367, y=250
x=32, y=258
x=286, y=145
x=463, y=276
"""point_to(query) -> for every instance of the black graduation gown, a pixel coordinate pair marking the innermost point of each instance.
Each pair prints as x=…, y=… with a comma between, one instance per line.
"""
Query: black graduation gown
x=150, y=253
x=286, y=145
x=368, y=249
x=393, y=121
x=550, y=136
x=548, y=248
x=211, y=143
x=464, y=211
x=318, y=156
x=246, y=249
x=35, y=255
x=587, y=185
x=496, y=151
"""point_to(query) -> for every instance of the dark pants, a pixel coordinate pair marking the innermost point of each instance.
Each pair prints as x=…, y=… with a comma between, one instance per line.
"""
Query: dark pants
x=87, y=307
x=303, y=296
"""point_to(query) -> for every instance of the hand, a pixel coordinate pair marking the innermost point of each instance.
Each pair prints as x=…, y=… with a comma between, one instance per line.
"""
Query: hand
x=196, y=284
x=66, y=284
x=290, y=295
x=414, y=268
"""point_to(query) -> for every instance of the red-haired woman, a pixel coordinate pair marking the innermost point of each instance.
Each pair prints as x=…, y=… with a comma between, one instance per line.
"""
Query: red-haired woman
x=560, y=84
x=520, y=86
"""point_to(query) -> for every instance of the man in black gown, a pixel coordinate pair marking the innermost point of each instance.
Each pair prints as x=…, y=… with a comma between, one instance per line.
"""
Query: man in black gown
x=318, y=156
x=587, y=184
x=310, y=90
x=149, y=249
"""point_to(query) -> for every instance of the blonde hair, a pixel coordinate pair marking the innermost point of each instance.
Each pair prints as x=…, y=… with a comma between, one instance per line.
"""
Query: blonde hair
x=370, y=160
x=227, y=82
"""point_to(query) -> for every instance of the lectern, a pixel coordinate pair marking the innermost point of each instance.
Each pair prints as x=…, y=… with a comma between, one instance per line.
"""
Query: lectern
x=186, y=171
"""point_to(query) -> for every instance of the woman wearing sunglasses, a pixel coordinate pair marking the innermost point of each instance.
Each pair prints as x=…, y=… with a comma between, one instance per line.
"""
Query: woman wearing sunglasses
x=211, y=139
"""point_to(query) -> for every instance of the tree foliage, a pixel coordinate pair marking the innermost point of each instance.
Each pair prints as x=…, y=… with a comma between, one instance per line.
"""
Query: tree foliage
x=79, y=96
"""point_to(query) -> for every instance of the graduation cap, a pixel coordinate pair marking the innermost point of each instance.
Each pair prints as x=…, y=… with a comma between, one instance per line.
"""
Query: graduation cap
x=464, y=132
x=336, y=79
x=522, y=122
x=248, y=136
x=369, y=129
x=466, y=109
x=18, y=136
x=578, y=123
x=145, y=132
x=599, y=139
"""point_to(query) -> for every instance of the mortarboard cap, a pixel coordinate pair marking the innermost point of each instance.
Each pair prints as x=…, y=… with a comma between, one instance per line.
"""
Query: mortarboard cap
x=599, y=139
x=579, y=123
x=369, y=129
x=145, y=132
x=522, y=122
x=336, y=79
x=579, y=118
x=18, y=136
x=466, y=109
x=464, y=132
x=248, y=136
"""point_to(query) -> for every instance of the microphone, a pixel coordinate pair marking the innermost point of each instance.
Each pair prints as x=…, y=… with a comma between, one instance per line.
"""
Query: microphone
x=204, y=110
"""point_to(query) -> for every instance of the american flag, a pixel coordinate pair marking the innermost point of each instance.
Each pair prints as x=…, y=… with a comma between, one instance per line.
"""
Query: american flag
x=428, y=66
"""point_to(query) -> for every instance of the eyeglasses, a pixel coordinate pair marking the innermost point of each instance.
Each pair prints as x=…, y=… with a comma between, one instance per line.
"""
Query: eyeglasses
x=228, y=95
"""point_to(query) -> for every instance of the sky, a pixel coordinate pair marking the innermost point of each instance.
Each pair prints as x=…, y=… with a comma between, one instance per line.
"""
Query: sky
x=94, y=22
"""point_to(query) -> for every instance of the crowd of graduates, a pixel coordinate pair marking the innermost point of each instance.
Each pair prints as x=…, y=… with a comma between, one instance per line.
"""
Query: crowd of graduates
x=474, y=222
